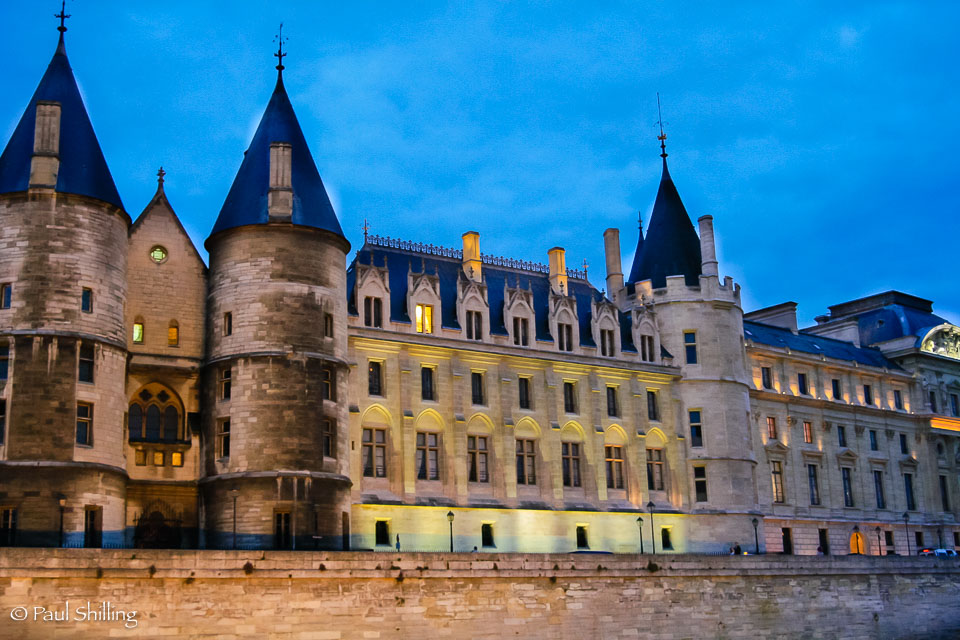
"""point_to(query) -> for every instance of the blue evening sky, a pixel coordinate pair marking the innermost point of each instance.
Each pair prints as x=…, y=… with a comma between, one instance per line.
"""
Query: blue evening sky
x=821, y=136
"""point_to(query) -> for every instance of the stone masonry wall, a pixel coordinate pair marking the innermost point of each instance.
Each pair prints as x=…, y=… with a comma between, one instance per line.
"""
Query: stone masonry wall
x=384, y=595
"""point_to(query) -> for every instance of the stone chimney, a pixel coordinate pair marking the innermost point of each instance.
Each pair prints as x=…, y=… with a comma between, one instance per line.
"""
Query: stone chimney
x=558, y=271
x=280, y=196
x=708, y=250
x=472, y=265
x=45, y=163
x=611, y=248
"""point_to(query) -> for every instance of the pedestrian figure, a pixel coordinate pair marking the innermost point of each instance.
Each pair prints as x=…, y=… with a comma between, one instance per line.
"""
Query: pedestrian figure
x=398, y=543
x=737, y=550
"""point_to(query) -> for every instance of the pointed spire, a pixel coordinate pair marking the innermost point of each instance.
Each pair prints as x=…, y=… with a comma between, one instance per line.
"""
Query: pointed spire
x=160, y=175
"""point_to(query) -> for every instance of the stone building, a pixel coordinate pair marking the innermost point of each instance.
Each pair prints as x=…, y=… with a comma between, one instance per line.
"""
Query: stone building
x=428, y=397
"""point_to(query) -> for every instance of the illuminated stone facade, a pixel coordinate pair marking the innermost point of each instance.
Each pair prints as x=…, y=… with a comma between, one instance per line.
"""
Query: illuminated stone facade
x=282, y=398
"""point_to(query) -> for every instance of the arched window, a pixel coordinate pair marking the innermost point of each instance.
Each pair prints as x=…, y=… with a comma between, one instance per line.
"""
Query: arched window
x=173, y=334
x=171, y=423
x=135, y=421
x=155, y=415
x=153, y=422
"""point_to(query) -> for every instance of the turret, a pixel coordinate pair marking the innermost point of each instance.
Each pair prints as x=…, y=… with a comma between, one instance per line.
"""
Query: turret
x=275, y=421
x=611, y=250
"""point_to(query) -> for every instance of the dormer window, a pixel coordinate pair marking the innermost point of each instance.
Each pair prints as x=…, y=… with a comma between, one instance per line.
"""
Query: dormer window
x=646, y=348
x=474, y=325
x=424, y=318
x=565, y=336
x=521, y=332
x=373, y=312
x=606, y=343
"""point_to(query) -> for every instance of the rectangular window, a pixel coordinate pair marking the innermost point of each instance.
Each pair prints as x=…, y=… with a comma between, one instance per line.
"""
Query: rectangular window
x=426, y=384
x=841, y=435
x=477, y=459
x=614, y=460
x=847, y=479
x=476, y=387
x=373, y=453
x=523, y=385
x=86, y=300
x=700, y=483
x=808, y=432
x=878, y=489
x=570, y=456
x=766, y=378
x=226, y=380
x=802, y=384
x=176, y=459
x=690, y=346
x=836, y=389
x=933, y=401
x=328, y=325
x=655, y=469
x=281, y=530
x=223, y=438
x=382, y=533
x=8, y=527
x=814, y=484
x=92, y=527
x=565, y=336
x=888, y=541
x=4, y=361
x=375, y=378
x=140, y=457
x=867, y=394
x=6, y=293
x=954, y=405
x=653, y=407
x=918, y=539
x=874, y=446
x=606, y=342
x=428, y=456
x=771, y=428
x=138, y=333
x=944, y=494
x=908, y=490
x=486, y=535
x=85, y=363
x=526, y=462
x=227, y=323
x=3, y=421
x=786, y=536
x=474, y=325
x=570, y=397
x=329, y=435
x=613, y=405
x=328, y=384
x=824, y=539
x=373, y=312
x=521, y=332
x=582, y=538
x=85, y=424
x=898, y=399
x=424, y=313
x=158, y=458
x=777, y=473
x=646, y=348
x=903, y=444
x=173, y=336
x=696, y=428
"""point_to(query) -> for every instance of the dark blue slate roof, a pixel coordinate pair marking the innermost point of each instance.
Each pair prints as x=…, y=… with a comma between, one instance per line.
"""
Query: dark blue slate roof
x=83, y=170
x=895, y=321
x=246, y=202
x=399, y=262
x=672, y=247
x=806, y=343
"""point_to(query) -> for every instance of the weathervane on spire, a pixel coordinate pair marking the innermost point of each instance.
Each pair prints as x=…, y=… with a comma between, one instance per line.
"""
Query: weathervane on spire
x=63, y=15
x=279, y=39
x=366, y=228
x=662, y=137
x=160, y=175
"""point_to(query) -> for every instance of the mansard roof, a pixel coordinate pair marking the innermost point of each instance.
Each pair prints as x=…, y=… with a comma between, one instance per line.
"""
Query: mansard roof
x=887, y=316
x=672, y=247
x=83, y=170
x=246, y=203
x=780, y=338
x=448, y=269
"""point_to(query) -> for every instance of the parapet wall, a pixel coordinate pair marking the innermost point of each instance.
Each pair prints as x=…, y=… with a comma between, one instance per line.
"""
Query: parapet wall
x=240, y=594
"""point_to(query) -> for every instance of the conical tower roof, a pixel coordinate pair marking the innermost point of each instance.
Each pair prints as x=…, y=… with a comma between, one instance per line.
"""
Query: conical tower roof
x=247, y=201
x=83, y=170
x=672, y=247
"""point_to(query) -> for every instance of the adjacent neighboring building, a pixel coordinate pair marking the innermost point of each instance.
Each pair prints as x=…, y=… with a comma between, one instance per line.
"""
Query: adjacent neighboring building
x=426, y=396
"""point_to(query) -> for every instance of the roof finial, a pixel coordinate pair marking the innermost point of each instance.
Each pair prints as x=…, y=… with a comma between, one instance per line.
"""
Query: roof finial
x=585, y=265
x=662, y=137
x=640, y=220
x=160, y=175
x=279, y=39
x=366, y=228
x=63, y=15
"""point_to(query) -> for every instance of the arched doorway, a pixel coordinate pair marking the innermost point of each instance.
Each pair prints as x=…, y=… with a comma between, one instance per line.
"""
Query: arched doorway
x=857, y=545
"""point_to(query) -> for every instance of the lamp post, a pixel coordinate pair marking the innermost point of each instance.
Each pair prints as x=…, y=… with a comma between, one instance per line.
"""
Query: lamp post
x=856, y=537
x=63, y=505
x=234, y=493
x=756, y=537
x=450, y=520
x=640, y=525
x=879, y=546
x=653, y=540
x=906, y=531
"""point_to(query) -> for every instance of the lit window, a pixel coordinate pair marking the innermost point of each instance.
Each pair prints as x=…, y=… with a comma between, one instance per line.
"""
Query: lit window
x=158, y=458
x=138, y=332
x=570, y=456
x=696, y=428
x=777, y=473
x=86, y=300
x=329, y=436
x=690, y=346
x=613, y=456
x=771, y=428
x=223, y=439
x=373, y=453
x=424, y=318
x=808, y=432
x=428, y=456
x=173, y=334
x=85, y=424
x=176, y=459
x=700, y=483
x=477, y=459
x=655, y=469
x=140, y=457
x=526, y=462
x=158, y=254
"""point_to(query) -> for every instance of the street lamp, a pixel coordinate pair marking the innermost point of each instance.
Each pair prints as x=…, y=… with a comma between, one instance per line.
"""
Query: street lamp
x=450, y=520
x=756, y=537
x=63, y=505
x=879, y=547
x=653, y=540
x=234, y=493
x=856, y=537
x=640, y=524
x=906, y=531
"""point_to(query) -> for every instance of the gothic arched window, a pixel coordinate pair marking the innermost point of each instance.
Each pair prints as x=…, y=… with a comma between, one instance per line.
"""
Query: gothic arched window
x=154, y=415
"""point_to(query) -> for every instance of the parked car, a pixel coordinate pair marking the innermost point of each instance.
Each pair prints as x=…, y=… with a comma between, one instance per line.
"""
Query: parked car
x=951, y=553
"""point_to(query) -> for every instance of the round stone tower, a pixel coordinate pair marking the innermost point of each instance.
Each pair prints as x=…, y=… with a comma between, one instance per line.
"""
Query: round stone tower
x=62, y=335
x=275, y=418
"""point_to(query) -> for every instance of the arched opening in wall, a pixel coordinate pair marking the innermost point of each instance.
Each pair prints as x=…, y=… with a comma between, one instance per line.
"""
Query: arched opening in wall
x=374, y=442
x=155, y=414
x=157, y=527
x=857, y=545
